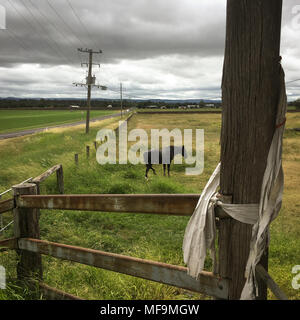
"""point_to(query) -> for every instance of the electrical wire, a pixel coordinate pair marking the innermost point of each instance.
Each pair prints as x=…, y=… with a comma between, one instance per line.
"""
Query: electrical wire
x=80, y=22
x=292, y=81
x=14, y=37
x=12, y=34
x=48, y=40
x=66, y=38
x=83, y=44
x=21, y=14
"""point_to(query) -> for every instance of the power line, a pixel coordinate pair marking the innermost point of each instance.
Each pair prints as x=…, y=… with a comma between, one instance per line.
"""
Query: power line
x=126, y=94
x=13, y=36
x=21, y=14
x=292, y=81
x=57, y=50
x=53, y=25
x=81, y=22
x=64, y=22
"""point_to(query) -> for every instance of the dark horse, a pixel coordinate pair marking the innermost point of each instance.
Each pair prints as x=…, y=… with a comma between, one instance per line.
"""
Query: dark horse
x=164, y=157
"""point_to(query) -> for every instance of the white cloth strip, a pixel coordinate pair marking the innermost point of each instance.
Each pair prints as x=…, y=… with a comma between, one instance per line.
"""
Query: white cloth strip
x=200, y=232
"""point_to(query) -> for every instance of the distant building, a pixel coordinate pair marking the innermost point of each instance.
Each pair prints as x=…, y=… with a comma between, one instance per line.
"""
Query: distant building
x=152, y=107
x=109, y=106
x=192, y=106
x=210, y=105
x=74, y=107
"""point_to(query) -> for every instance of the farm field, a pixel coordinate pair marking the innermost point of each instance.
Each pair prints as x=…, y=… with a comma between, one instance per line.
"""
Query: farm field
x=18, y=120
x=179, y=110
x=151, y=237
x=205, y=109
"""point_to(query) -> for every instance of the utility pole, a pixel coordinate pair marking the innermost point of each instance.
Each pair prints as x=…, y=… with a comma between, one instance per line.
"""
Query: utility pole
x=121, y=99
x=90, y=83
x=250, y=89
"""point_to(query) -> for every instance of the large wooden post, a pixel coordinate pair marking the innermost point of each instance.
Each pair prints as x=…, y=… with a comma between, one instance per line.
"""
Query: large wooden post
x=26, y=225
x=250, y=90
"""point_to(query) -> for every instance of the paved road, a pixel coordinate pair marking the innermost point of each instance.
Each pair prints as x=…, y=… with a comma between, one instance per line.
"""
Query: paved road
x=31, y=131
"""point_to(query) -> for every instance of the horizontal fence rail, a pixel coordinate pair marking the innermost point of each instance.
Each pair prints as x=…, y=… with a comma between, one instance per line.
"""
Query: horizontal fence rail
x=11, y=243
x=59, y=175
x=6, y=205
x=172, y=204
x=146, y=269
x=51, y=293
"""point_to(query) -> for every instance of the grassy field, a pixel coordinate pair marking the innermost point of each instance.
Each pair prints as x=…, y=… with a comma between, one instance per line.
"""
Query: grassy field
x=205, y=109
x=179, y=110
x=146, y=236
x=18, y=120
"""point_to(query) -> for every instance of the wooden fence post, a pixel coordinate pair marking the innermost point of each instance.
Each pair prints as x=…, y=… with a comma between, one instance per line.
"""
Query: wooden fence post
x=26, y=225
x=38, y=187
x=60, y=179
x=76, y=159
x=250, y=89
x=1, y=219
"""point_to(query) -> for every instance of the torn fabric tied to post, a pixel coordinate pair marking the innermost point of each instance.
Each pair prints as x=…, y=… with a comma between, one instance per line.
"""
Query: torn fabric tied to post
x=200, y=232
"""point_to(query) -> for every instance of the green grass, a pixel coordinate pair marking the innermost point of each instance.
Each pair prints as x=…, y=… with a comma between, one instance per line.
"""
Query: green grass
x=151, y=237
x=18, y=120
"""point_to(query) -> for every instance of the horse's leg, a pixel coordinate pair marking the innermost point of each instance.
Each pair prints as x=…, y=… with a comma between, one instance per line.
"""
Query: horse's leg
x=164, y=169
x=169, y=170
x=147, y=170
x=153, y=170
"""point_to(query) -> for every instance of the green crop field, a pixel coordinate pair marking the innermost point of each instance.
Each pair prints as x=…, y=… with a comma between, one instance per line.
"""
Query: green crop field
x=152, y=237
x=18, y=120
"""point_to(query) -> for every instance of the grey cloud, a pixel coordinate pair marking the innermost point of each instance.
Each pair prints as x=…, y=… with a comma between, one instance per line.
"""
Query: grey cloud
x=168, y=47
x=134, y=29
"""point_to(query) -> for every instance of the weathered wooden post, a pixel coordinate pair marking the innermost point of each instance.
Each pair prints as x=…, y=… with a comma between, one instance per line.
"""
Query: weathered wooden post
x=76, y=159
x=1, y=219
x=60, y=179
x=38, y=185
x=250, y=91
x=26, y=225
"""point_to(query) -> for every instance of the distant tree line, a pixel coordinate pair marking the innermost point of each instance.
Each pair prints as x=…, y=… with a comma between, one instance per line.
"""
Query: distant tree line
x=102, y=104
x=295, y=103
x=99, y=104
x=62, y=103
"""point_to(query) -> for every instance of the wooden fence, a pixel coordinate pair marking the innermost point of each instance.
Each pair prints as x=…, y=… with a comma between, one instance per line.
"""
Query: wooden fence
x=27, y=203
x=59, y=176
x=26, y=206
x=8, y=204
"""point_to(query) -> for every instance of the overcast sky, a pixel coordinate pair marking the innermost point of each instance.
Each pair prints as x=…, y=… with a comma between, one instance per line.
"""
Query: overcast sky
x=156, y=48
